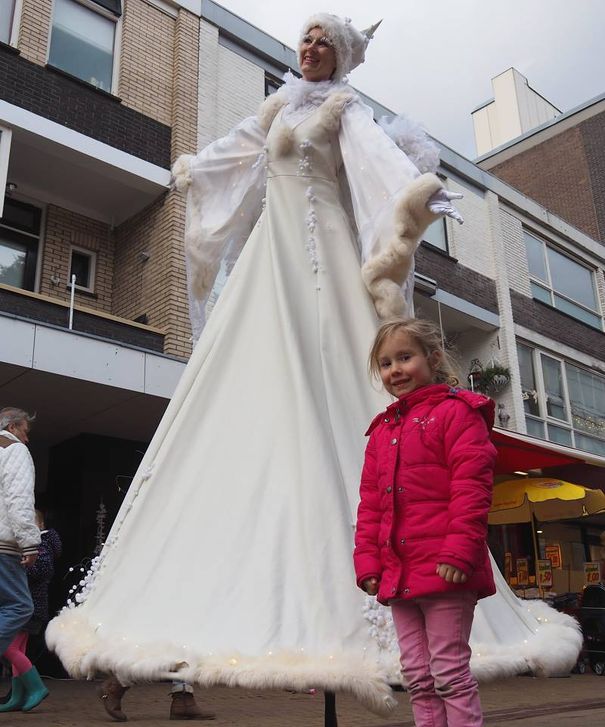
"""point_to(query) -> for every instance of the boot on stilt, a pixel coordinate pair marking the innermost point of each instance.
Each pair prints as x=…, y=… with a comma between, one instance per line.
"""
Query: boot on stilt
x=110, y=693
x=184, y=706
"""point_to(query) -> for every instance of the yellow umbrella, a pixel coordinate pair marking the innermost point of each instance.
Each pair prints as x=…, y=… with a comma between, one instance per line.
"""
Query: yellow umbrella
x=518, y=501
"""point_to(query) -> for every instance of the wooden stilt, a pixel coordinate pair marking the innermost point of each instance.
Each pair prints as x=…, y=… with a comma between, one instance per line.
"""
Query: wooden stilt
x=330, y=719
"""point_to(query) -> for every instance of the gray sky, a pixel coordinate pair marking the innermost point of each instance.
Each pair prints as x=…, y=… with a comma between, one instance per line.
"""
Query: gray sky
x=434, y=59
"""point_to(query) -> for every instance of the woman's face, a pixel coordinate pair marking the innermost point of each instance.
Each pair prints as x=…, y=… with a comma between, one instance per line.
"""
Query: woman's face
x=316, y=56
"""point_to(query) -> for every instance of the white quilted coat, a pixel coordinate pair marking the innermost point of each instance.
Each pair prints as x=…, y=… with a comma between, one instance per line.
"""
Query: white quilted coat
x=18, y=530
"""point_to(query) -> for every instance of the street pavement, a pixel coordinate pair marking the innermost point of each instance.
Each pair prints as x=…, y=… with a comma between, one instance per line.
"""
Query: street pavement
x=575, y=701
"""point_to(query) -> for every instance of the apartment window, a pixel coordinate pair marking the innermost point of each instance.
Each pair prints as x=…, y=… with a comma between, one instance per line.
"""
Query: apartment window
x=7, y=13
x=19, y=242
x=562, y=282
x=436, y=234
x=272, y=84
x=82, y=265
x=563, y=402
x=83, y=39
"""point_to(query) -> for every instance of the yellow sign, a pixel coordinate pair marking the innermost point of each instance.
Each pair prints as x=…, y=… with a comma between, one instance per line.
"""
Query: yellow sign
x=592, y=572
x=544, y=574
x=522, y=572
x=553, y=553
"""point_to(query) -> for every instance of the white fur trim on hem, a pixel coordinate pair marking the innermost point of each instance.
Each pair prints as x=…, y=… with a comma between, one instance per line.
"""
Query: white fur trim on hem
x=84, y=652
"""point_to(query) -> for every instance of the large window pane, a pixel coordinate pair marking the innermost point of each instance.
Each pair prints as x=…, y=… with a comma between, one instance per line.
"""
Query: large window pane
x=541, y=293
x=571, y=279
x=528, y=380
x=553, y=387
x=580, y=313
x=587, y=401
x=82, y=43
x=559, y=435
x=590, y=444
x=13, y=257
x=535, y=257
x=535, y=428
x=435, y=234
x=7, y=8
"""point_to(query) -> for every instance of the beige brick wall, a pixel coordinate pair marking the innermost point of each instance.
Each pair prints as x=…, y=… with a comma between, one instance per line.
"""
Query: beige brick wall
x=34, y=31
x=147, y=53
x=62, y=230
x=156, y=287
x=185, y=92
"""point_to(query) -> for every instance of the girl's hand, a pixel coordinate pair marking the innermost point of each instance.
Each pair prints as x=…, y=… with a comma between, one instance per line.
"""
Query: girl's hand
x=371, y=586
x=450, y=573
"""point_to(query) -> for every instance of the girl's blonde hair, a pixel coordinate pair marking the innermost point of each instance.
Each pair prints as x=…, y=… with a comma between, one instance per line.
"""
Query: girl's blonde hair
x=428, y=336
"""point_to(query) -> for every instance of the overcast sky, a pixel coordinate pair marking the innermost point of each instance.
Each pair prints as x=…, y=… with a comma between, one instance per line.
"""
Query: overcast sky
x=434, y=59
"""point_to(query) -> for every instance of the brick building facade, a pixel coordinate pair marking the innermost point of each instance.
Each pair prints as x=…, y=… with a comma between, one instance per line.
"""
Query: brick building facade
x=561, y=165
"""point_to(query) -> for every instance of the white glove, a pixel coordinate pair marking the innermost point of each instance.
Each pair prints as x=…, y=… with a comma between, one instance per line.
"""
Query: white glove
x=439, y=204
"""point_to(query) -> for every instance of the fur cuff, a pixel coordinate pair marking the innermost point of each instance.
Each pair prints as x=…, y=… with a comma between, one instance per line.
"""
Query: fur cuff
x=181, y=172
x=385, y=273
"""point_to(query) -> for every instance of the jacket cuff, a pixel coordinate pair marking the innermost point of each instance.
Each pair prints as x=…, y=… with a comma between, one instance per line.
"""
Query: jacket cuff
x=365, y=577
x=29, y=550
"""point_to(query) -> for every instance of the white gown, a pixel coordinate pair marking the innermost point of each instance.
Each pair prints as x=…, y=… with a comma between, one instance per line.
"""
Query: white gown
x=230, y=561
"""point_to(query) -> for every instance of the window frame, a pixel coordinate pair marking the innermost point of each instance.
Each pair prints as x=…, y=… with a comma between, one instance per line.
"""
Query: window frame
x=446, y=249
x=544, y=419
x=117, y=43
x=92, y=255
x=6, y=137
x=36, y=261
x=13, y=31
x=552, y=291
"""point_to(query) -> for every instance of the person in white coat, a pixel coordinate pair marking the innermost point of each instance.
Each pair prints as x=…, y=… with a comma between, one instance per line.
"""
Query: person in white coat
x=19, y=541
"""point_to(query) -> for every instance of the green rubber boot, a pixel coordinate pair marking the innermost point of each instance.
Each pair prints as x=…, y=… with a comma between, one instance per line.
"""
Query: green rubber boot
x=35, y=691
x=17, y=697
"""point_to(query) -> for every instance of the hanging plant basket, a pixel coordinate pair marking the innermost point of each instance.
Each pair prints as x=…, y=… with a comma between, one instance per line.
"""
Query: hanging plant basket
x=494, y=379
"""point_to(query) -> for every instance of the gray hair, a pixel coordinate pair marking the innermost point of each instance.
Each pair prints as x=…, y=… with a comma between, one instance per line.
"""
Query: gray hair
x=11, y=415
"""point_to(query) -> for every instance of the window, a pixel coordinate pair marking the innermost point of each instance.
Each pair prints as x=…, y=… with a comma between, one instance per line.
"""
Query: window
x=563, y=402
x=19, y=241
x=562, y=282
x=272, y=84
x=83, y=40
x=436, y=234
x=7, y=12
x=82, y=265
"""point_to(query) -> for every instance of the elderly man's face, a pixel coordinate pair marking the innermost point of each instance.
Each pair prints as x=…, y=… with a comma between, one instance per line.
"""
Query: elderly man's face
x=20, y=430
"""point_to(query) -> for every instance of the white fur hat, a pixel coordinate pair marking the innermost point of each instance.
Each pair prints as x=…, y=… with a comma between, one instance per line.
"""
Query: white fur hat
x=349, y=43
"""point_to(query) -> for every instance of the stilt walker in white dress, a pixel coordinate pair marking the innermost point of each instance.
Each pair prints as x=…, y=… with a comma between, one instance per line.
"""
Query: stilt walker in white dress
x=230, y=561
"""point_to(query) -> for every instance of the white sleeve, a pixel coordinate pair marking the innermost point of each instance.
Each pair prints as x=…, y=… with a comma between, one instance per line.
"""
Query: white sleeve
x=226, y=185
x=18, y=491
x=389, y=198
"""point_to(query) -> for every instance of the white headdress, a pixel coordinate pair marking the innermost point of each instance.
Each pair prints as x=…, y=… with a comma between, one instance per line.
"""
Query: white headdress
x=349, y=43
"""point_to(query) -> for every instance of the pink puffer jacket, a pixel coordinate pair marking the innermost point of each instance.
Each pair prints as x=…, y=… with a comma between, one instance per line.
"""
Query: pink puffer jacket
x=426, y=489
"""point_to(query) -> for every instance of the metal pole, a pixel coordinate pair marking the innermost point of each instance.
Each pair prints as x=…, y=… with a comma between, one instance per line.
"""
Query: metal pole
x=71, y=302
x=330, y=710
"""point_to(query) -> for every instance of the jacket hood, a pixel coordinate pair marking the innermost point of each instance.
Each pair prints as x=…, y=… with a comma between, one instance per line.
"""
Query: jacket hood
x=434, y=394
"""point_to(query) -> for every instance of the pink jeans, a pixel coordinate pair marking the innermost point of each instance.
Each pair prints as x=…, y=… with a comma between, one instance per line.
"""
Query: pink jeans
x=433, y=634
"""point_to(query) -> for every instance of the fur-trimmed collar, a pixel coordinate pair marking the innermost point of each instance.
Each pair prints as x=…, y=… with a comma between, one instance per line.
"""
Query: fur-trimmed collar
x=298, y=93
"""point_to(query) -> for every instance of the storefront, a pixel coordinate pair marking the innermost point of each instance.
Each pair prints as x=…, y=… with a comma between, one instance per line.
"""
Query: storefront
x=564, y=552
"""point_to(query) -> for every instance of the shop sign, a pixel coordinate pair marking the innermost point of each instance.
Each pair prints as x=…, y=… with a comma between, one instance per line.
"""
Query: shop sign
x=508, y=566
x=592, y=572
x=544, y=574
x=553, y=553
x=522, y=572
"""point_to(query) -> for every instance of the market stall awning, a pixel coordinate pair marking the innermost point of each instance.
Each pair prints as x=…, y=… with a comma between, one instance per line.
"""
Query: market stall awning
x=520, y=452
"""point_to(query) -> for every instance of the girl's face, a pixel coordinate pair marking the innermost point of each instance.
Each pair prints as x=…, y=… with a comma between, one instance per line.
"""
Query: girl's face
x=316, y=56
x=403, y=364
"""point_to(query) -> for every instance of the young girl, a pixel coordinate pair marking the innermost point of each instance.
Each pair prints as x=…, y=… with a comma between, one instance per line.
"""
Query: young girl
x=420, y=543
